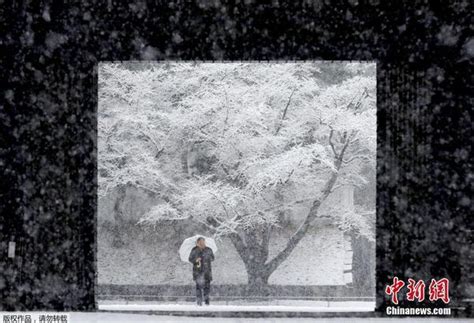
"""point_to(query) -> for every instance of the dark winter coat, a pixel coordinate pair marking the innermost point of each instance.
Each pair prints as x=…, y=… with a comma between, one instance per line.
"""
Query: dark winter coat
x=205, y=270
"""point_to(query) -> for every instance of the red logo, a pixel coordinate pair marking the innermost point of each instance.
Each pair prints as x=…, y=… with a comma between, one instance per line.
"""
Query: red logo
x=438, y=289
x=416, y=290
x=394, y=289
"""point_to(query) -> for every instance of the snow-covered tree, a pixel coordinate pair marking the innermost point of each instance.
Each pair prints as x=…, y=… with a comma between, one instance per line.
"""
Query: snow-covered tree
x=237, y=146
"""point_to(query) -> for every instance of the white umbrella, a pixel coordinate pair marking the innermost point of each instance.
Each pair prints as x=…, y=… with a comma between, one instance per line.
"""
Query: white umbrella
x=189, y=243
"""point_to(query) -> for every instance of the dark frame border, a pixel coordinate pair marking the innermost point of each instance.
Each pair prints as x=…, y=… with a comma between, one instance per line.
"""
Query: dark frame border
x=47, y=143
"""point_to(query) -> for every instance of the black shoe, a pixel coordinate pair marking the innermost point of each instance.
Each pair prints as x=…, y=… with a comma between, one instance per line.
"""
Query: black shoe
x=207, y=302
x=199, y=303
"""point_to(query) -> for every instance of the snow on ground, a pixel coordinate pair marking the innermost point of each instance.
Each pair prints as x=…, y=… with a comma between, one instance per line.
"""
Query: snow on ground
x=149, y=258
x=103, y=317
x=288, y=306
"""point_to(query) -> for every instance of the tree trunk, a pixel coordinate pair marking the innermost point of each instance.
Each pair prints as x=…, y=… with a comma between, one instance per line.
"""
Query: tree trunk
x=117, y=241
x=254, y=255
x=258, y=282
x=255, y=264
x=363, y=265
x=258, y=277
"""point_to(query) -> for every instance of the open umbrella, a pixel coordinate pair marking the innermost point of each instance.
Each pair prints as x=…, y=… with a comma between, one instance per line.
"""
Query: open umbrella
x=189, y=243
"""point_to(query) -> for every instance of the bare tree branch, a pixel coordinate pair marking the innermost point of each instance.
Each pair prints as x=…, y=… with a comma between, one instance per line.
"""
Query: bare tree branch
x=331, y=143
x=147, y=189
x=312, y=214
x=227, y=111
x=284, y=112
x=159, y=150
x=356, y=157
x=239, y=245
x=266, y=238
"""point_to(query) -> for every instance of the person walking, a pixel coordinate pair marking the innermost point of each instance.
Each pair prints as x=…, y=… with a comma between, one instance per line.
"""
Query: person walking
x=201, y=258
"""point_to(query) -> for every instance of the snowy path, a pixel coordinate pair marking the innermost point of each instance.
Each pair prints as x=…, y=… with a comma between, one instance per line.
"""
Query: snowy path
x=308, y=307
x=77, y=317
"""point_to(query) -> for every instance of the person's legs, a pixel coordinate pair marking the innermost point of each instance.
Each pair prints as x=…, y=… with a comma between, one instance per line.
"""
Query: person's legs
x=198, y=294
x=199, y=290
x=207, y=290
